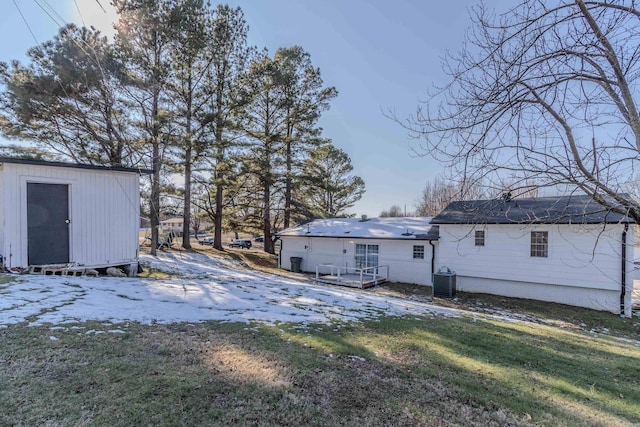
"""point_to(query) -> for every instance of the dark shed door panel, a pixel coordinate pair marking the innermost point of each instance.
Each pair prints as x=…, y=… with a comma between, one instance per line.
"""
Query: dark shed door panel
x=48, y=223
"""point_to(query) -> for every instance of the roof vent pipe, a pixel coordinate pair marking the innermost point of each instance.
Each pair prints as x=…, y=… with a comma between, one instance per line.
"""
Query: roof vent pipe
x=363, y=218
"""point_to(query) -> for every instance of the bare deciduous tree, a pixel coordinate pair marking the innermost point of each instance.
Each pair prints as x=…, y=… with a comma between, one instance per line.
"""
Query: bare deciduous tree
x=544, y=93
x=437, y=194
x=395, y=211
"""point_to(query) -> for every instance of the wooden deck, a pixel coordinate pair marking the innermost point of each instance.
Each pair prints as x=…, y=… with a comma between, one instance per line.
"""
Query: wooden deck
x=351, y=280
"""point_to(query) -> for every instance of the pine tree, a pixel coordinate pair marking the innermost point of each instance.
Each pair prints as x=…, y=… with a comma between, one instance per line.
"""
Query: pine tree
x=222, y=102
x=304, y=100
x=328, y=187
x=69, y=99
x=190, y=58
x=143, y=40
x=264, y=122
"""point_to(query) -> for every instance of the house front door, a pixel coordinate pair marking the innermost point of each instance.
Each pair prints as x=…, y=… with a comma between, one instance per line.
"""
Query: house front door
x=47, y=223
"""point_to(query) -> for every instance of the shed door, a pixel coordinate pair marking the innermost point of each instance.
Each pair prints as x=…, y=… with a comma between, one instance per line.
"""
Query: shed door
x=48, y=223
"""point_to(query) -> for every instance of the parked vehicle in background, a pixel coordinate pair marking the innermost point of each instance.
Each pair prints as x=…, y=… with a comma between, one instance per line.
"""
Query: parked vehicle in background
x=206, y=241
x=259, y=239
x=241, y=243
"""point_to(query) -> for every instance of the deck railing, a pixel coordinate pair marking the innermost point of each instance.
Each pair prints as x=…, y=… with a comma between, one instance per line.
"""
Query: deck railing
x=373, y=275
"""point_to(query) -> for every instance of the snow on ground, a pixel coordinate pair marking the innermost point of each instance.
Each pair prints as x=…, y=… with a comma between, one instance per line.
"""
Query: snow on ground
x=206, y=288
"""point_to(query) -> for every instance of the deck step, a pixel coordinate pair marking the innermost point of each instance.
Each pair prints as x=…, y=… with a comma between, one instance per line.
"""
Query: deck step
x=59, y=270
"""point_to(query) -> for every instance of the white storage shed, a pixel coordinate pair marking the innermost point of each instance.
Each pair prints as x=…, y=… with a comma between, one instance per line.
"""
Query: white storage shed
x=397, y=249
x=54, y=213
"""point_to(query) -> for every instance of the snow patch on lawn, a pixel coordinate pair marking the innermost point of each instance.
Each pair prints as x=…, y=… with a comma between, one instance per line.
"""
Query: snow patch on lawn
x=205, y=288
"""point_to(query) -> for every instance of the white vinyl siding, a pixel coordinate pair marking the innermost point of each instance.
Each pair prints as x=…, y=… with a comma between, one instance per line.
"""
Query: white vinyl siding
x=579, y=255
x=104, y=212
x=2, y=216
x=581, y=258
x=340, y=251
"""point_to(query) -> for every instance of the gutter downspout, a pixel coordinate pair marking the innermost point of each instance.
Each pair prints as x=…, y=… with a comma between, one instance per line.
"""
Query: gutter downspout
x=433, y=259
x=623, y=290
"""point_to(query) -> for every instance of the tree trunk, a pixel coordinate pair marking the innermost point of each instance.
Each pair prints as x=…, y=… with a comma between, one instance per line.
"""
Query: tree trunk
x=217, y=233
x=288, y=185
x=155, y=197
x=268, y=242
x=219, y=176
x=186, y=217
x=219, y=173
x=155, y=141
x=266, y=188
x=186, y=214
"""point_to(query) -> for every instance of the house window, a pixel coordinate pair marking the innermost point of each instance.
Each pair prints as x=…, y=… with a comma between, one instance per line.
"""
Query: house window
x=540, y=244
x=366, y=255
x=418, y=252
x=479, y=237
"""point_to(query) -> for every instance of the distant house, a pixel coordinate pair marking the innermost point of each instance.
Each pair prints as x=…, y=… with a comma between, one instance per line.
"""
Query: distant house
x=145, y=222
x=175, y=224
x=398, y=249
x=172, y=224
x=65, y=213
x=563, y=249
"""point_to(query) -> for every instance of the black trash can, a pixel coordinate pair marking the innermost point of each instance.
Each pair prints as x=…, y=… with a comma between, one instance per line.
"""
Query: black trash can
x=444, y=283
x=296, y=263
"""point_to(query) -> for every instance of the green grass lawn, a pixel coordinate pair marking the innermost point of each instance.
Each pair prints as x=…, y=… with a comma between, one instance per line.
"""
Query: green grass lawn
x=469, y=370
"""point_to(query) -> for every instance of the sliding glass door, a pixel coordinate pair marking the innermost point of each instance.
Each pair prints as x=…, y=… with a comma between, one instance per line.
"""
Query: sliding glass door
x=366, y=255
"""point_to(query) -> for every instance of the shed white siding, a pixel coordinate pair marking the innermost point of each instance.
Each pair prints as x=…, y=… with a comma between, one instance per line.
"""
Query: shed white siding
x=397, y=254
x=2, y=221
x=583, y=267
x=104, y=209
x=636, y=248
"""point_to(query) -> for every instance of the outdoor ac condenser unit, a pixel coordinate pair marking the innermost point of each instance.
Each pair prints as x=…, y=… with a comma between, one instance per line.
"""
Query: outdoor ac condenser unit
x=444, y=283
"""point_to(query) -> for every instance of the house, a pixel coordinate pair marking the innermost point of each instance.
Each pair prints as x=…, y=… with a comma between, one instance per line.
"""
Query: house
x=172, y=224
x=567, y=250
x=175, y=224
x=68, y=214
x=145, y=222
x=397, y=249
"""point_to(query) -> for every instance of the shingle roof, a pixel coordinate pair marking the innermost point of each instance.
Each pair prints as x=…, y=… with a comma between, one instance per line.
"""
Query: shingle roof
x=72, y=165
x=577, y=209
x=373, y=228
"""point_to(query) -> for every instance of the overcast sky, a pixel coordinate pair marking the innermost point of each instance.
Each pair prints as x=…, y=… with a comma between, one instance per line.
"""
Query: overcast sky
x=380, y=55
